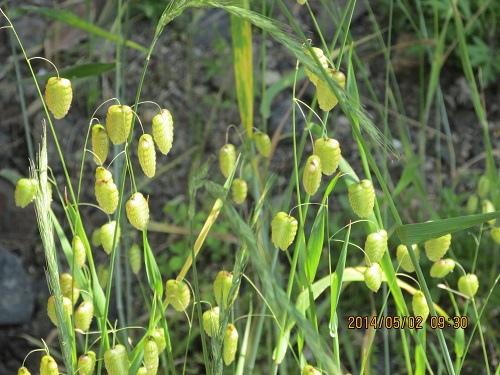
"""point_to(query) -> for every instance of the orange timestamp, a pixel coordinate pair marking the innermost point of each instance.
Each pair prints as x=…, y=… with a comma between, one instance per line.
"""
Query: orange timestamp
x=402, y=322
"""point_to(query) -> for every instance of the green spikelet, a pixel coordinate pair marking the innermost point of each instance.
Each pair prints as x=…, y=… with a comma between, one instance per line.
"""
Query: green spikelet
x=83, y=315
x=227, y=159
x=159, y=336
x=483, y=186
x=263, y=143
x=178, y=294
x=106, y=192
x=328, y=150
x=230, y=344
x=69, y=288
x=118, y=123
x=283, y=230
x=419, y=304
x=362, y=197
x=116, y=360
x=58, y=96
x=239, y=189
x=86, y=363
x=375, y=246
x=25, y=192
x=151, y=356
x=472, y=204
x=100, y=144
x=51, y=309
x=23, y=371
x=404, y=258
x=78, y=251
x=222, y=287
x=142, y=371
x=373, y=277
x=309, y=370
x=135, y=258
x=311, y=178
x=96, y=237
x=326, y=98
x=138, y=211
x=436, y=248
x=468, y=284
x=487, y=207
x=442, y=267
x=147, y=155
x=495, y=234
x=163, y=131
x=211, y=321
x=323, y=60
x=102, y=275
x=48, y=366
x=107, y=233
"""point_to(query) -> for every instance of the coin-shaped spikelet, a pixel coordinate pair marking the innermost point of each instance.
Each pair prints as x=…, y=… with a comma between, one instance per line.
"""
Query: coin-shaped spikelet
x=323, y=60
x=48, y=366
x=178, y=294
x=102, y=173
x=375, y=246
x=138, y=211
x=95, y=238
x=230, y=344
x=151, y=356
x=495, y=234
x=118, y=123
x=79, y=254
x=86, y=363
x=227, y=158
x=159, y=336
x=326, y=98
x=404, y=258
x=239, y=189
x=309, y=370
x=106, y=192
x=163, y=131
x=373, y=276
x=135, y=258
x=147, y=155
x=222, y=287
x=51, y=308
x=83, y=315
x=311, y=178
x=107, y=234
x=263, y=143
x=419, y=304
x=211, y=321
x=487, y=207
x=58, y=96
x=25, y=191
x=328, y=150
x=100, y=143
x=283, y=230
x=69, y=288
x=468, y=284
x=442, y=267
x=23, y=371
x=362, y=197
x=436, y=248
x=116, y=360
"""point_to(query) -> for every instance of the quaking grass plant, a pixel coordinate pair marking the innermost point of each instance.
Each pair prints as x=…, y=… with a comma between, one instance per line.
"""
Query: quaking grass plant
x=284, y=239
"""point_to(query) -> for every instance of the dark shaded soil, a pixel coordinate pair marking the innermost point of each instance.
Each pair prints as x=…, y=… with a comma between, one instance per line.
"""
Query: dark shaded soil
x=190, y=74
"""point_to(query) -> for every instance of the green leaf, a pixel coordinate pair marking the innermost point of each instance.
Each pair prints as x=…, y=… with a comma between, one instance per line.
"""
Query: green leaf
x=410, y=234
x=79, y=23
x=315, y=244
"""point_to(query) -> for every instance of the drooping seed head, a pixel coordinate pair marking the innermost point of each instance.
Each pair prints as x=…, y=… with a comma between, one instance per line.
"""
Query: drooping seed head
x=326, y=98
x=404, y=258
x=25, y=191
x=48, y=366
x=151, y=356
x=230, y=344
x=163, y=131
x=135, y=258
x=442, y=267
x=419, y=304
x=116, y=360
x=86, y=363
x=227, y=159
x=211, y=321
x=118, y=123
x=263, y=143
x=373, y=276
x=100, y=143
x=138, y=211
x=328, y=150
x=311, y=178
x=468, y=284
x=362, y=197
x=79, y=253
x=436, y=248
x=239, y=190
x=178, y=294
x=107, y=234
x=375, y=246
x=83, y=315
x=58, y=96
x=69, y=288
x=283, y=230
x=222, y=286
x=147, y=155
